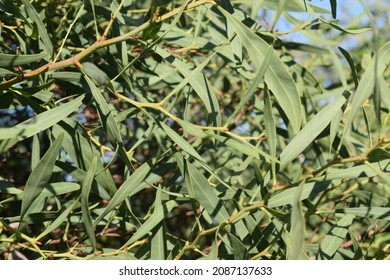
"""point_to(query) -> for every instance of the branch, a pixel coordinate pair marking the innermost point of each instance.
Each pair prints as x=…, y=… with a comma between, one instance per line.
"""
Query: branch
x=74, y=61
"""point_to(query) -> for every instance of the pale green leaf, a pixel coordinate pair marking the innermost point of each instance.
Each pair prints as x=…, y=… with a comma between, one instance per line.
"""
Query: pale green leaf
x=40, y=122
x=277, y=77
x=335, y=237
x=312, y=129
x=34, y=16
x=199, y=83
x=367, y=82
x=158, y=243
x=298, y=225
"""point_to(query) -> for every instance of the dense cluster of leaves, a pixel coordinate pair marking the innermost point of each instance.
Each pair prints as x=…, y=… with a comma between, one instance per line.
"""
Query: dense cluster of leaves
x=187, y=129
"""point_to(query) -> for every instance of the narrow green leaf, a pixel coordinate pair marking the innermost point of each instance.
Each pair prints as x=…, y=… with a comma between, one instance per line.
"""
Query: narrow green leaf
x=239, y=250
x=351, y=65
x=40, y=176
x=12, y=60
x=10, y=8
x=6, y=187
x=313, y=128
x=79, y=148
x=65, y=211
x=53, y=189
x=84, y=198
x=259, y=77
x=152, y=222
x=242, y=147
x=213, y=254
x=106, y=115
x=97, y=76
x=333, y=5
x=286, y=197
x=349, y=31
x=277, y=77
x=382, y=213
x=200, y=189
x=298, y=226
x=128, y=187
x=34, y=16
x=379, y=172
x=356, y=246
x=385, y=91
x=295, y=6
x=180, y=141
x=338, y=68
x=158, y=244
x=278, y=13
x=192, y=129
x=39, y=122
x=270, y=129
x=5, y=72
x=199, y=83
x=366, y=86
x=141, y=178
x=36, y=151
x=335, y=237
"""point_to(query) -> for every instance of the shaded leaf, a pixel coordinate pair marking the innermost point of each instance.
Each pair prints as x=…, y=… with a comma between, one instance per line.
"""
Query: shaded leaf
x=277, y=77
x=40, y=176
x=65, y=211
x=84, y=198
x=40, y=122
x=333, y=5
x=200, y=189
x=312, y=129
x=335, y=237
x=367, y=82
x=298, y=226
x=158, y=243
x=152, y=221
x=34, y=16
x=12, y=60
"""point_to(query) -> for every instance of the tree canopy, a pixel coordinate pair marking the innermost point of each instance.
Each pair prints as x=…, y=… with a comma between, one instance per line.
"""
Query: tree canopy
x=193, y=129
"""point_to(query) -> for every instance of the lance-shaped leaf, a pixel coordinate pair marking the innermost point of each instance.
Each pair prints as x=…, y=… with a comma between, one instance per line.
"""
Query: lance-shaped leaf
x=40, y=176
x=201, y=191
x=382, y=213
x=277, y=77
x=298, y=226
x=105, y=114
x=333, y=5
x=40, y=122
x=157, y=216
x=367, y=83
x=65, y=211
x=12, y=60
x=34, y=16
x=335, y=237
x=314, y=127
x=198, y=82
x=158, y=243
x=86, y=215
x=287, y=197
x=141, y=178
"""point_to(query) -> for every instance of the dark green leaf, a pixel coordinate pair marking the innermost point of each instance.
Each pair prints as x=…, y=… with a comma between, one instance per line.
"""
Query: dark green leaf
x=40, y=176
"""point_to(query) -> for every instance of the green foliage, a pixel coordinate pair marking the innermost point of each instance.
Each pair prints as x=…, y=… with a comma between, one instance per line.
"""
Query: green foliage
x=192, y=130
